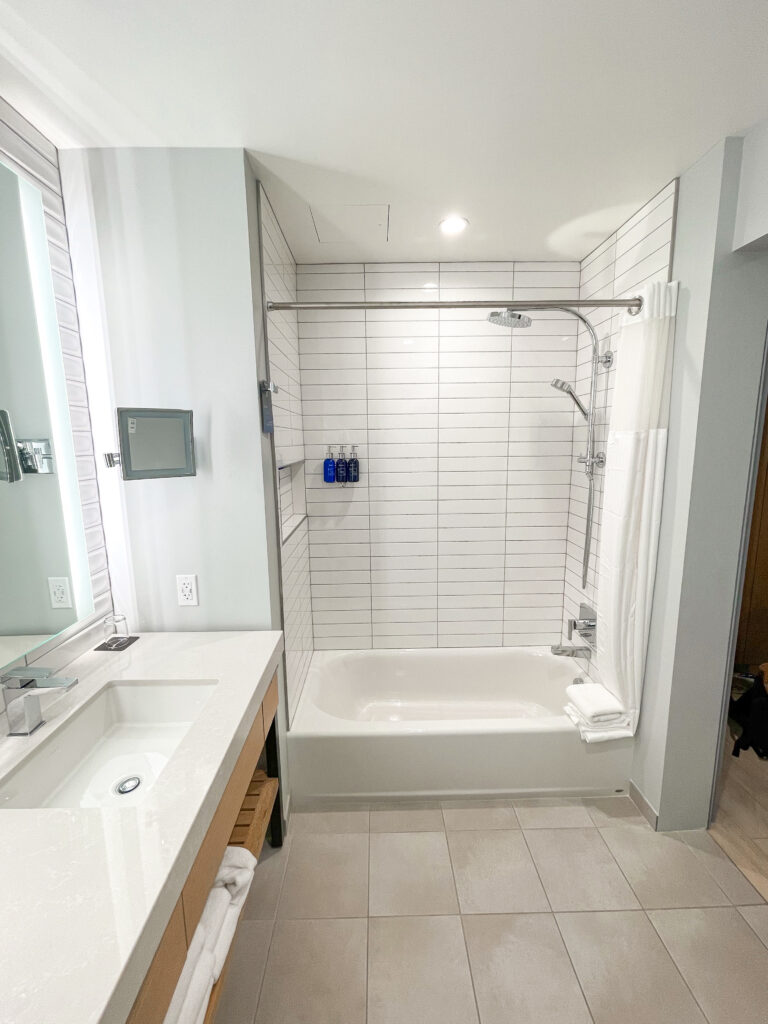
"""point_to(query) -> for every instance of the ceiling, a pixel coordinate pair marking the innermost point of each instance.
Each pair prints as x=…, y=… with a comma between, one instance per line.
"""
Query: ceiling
x=546, y=124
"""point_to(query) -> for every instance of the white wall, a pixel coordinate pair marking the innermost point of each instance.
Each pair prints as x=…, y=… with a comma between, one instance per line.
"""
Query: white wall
x=751, y=227
x=171, y=242
x=719, y=350
x=456, y=533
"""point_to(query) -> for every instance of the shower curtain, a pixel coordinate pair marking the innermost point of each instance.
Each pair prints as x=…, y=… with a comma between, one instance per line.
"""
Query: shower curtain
x=634, y=479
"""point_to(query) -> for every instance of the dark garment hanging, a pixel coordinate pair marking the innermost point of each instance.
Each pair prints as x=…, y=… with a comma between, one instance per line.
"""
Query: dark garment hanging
x=751, y=713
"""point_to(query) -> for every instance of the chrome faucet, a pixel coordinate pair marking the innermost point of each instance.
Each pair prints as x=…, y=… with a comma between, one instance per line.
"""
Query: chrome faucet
x=571, y=652
x=21, y=691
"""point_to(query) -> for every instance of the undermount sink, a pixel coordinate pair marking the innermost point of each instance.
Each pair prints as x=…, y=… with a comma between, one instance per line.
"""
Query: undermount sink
x=111, y=751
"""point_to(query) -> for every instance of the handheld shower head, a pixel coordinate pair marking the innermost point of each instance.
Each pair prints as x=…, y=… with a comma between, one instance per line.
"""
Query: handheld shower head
x=566, y=388
x=509, y=318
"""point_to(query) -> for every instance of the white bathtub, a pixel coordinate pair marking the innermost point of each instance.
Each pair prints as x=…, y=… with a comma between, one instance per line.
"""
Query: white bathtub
x=443, y=722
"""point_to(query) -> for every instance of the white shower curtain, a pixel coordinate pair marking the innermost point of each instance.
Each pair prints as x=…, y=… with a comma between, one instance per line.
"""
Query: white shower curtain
x=634, y=478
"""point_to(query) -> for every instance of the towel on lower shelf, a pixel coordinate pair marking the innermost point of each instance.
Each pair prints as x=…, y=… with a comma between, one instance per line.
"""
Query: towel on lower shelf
x=236, y=872
x=213, y=936
x=194, y=986
x=594, y=703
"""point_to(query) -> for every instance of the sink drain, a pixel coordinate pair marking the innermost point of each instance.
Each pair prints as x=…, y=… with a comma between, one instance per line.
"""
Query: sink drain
x=128, y=784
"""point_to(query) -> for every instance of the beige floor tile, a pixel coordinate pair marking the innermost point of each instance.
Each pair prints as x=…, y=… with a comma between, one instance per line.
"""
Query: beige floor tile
x=333, y=822
x=578, y=871
x=757, y=918
x=722, y=960
x=522, y=971
x=242, y=985
x=614, y=810
x=327, y=876
x=315, y=973
x=626, y=973
x=733, y=883
x=403, y=817
x=495, y=873
x=482, y=814
x=411, y=875
x=551, y=812
x=418, y=971
x=662, y=869
x=261, y=903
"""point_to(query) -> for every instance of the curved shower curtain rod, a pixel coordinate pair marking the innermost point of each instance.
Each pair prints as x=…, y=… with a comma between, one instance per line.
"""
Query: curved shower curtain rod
x=590, y=459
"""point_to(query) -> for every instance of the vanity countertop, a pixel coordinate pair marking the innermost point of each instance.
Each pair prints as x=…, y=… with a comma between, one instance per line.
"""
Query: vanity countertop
x=86, y=893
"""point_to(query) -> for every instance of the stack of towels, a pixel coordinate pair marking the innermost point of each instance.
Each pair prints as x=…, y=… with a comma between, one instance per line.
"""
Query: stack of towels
x=598, y=715
x=213, y=937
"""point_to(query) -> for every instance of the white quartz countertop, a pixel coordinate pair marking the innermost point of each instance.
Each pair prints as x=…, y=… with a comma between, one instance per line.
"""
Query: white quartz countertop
x=86, y=893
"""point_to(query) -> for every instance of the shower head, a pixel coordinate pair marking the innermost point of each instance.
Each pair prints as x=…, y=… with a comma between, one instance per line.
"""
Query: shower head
x=565, y=387
x=509, y=318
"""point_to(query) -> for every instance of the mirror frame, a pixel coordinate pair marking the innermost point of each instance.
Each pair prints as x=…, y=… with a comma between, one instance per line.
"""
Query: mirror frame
x=34, y=159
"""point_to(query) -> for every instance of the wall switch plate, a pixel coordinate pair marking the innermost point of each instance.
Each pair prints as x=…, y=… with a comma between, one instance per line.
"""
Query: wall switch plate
x=186, y=589
x=59, y=591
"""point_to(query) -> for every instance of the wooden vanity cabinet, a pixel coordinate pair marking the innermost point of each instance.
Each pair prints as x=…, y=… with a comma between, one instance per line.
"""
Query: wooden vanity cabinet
x=250, y=803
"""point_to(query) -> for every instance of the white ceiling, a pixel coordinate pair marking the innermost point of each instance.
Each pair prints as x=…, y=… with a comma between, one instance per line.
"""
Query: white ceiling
x=545, y=123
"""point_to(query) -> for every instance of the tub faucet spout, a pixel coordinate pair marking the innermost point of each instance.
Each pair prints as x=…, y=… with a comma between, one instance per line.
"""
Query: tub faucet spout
x=571, y=652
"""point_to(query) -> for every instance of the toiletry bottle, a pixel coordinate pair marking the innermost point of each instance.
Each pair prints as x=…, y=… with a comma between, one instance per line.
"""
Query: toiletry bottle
x=353, y=466
x=329, y=468
x=341, y=467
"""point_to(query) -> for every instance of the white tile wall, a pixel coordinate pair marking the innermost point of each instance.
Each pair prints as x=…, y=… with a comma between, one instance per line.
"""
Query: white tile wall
x=282, y=330
x=639, y=253
x=456, y=534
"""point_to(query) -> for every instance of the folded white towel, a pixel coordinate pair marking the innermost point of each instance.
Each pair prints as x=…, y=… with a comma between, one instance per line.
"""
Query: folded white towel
x=594, y=703
x=600, y=732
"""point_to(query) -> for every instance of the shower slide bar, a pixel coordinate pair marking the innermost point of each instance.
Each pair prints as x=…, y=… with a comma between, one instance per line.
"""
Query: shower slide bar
x=633, y=305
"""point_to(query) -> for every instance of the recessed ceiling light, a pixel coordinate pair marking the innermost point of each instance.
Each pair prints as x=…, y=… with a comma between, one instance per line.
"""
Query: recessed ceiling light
x=453, y=224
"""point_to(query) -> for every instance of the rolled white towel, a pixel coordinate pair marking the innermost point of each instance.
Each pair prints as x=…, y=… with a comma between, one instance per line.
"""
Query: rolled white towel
x=195, y=1004
x=594, y=703
x=236, y=872
x=214, y=915
x=195, y=975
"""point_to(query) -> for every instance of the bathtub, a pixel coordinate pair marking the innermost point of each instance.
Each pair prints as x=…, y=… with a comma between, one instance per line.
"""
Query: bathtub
x=443, y=722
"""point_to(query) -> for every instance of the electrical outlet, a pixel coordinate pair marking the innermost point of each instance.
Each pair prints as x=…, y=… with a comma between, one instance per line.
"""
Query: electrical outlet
x=59, y=591
x=186, y=589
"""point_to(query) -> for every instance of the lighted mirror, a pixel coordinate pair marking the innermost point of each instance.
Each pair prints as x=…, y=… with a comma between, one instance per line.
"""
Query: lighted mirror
x=44, y=574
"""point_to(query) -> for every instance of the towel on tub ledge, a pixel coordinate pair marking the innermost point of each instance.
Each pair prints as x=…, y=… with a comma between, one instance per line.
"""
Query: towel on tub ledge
x=598, y=715
x=594, y=703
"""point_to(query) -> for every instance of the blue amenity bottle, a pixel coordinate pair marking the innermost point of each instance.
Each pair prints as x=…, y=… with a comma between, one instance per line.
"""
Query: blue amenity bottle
x=353, y=466
x=329, y=468
x=341, y=467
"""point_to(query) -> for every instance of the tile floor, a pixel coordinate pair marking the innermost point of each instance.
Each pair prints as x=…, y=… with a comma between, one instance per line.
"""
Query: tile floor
x=491, y=912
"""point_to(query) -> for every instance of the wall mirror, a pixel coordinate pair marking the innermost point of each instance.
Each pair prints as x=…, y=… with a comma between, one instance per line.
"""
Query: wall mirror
x=45, y=585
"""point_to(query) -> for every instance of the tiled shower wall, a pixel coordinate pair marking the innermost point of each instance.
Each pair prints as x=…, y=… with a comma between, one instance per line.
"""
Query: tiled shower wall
x=639, y=253
x=456, y=534
x=282, y=330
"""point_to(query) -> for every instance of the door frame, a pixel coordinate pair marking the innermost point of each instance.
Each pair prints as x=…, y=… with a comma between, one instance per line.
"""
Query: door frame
x=746, y=530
